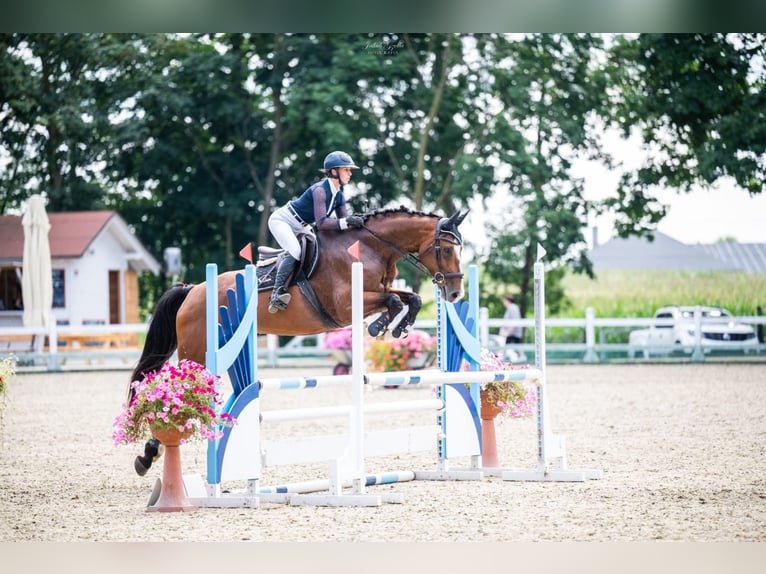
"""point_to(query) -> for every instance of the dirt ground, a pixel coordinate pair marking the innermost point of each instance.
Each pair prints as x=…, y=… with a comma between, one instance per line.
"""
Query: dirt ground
x=682, y=449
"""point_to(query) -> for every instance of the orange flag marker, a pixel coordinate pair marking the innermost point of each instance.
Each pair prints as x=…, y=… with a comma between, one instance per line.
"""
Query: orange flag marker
x=354, y=251
x=247, y=252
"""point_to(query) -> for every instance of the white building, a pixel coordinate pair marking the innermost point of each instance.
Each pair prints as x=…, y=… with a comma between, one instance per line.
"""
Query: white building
x=95, y=259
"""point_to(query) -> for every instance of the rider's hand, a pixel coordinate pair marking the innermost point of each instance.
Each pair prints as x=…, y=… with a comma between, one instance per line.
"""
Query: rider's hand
x=354, y=221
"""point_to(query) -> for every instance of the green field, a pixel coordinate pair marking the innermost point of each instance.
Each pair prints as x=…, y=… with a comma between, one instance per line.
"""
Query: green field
x=639, y=293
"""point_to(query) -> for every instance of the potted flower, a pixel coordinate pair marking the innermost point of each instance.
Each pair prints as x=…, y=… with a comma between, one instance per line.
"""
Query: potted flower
x=513, y=399
x=174, y=404
x=339, y=342
x=7, y=370
x=181, y=398
x=415, y=351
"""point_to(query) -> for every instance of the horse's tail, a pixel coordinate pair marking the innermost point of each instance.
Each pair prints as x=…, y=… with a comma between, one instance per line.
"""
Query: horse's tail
x=161, y=338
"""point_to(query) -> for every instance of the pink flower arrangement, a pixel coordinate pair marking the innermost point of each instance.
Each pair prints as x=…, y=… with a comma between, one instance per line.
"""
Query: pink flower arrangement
x=7, y=370
x=400, y=354
x=183, y=396
x=517, y=399
x=338, y=339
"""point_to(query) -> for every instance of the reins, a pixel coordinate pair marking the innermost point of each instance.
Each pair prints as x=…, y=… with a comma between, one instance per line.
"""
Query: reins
x=439, y=277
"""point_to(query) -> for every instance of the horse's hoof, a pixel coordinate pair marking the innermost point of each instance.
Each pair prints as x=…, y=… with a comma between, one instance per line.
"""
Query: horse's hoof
x=156, y=491
x=153, y=450
x=398, y=332
x=141, y=465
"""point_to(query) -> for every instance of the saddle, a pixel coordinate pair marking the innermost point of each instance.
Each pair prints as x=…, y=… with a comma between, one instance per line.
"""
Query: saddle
x=265, y=270
x=268, y=257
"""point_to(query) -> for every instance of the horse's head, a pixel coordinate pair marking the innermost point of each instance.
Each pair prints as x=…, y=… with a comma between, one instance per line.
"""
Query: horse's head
x=441, y=255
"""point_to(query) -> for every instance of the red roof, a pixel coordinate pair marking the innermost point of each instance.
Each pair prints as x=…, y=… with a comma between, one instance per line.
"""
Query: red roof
x=70, y=235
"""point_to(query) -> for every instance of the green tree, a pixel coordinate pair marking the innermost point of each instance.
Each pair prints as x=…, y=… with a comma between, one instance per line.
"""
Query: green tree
x=54, y=117
x=195, y=139
x=180, y=158
x=697, y=101
x=548, y=88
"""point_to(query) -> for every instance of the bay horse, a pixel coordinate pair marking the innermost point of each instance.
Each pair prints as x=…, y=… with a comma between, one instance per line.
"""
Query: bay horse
x=321, y=302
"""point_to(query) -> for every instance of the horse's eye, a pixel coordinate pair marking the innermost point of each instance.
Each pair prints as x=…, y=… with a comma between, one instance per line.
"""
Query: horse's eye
x=448, y=252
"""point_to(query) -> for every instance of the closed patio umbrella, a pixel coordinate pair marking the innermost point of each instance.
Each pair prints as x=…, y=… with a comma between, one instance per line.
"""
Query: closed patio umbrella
x=36, y=280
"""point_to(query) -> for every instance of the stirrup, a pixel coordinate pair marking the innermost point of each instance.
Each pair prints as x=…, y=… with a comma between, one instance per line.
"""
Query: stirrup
x=279, y=303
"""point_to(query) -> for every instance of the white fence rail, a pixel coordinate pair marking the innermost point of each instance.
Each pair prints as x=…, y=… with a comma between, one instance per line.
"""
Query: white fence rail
x=64, y=346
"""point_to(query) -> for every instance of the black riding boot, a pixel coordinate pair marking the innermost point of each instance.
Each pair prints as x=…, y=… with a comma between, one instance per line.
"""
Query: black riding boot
x=279, y=296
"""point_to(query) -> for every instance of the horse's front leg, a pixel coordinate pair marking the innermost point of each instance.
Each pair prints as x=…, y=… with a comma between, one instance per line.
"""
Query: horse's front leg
x=393, y=306
x=413, y=302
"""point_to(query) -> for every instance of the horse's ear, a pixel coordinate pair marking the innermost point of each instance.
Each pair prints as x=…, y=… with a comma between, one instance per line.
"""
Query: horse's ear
x=458, y=218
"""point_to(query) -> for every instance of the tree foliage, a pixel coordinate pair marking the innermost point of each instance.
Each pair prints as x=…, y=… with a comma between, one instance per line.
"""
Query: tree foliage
x=549, y=92
x=697, y=101
x=194, y=139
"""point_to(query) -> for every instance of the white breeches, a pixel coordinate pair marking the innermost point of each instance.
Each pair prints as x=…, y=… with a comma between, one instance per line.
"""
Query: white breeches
x=284, y=227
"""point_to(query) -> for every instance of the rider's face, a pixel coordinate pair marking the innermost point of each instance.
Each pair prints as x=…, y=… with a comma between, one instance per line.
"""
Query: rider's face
x=344, y=175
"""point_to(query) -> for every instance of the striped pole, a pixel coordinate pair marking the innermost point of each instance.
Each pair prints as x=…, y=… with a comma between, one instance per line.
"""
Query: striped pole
x=321, y=485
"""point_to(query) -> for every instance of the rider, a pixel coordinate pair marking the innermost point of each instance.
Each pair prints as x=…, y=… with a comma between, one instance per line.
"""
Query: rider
x=314, y=206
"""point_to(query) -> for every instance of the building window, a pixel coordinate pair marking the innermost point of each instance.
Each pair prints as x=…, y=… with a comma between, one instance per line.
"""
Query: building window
x=10, y=289
x=11, y=294
x=59, y=298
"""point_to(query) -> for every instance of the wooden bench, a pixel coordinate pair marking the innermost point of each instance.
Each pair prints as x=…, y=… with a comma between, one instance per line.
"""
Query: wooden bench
x=98, y=341
x=17, y=343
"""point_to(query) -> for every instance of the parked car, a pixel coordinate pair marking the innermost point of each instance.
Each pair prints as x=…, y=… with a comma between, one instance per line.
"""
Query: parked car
x=676, y=330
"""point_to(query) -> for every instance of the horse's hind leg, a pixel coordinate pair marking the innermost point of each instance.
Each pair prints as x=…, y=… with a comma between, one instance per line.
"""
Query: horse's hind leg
x=414, y=303
x=394, y=306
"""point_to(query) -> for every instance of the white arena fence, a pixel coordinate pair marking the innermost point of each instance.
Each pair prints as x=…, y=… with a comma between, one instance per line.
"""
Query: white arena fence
x=69, y=347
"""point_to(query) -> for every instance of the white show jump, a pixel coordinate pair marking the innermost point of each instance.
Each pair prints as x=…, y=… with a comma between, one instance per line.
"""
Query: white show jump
x=242, y=453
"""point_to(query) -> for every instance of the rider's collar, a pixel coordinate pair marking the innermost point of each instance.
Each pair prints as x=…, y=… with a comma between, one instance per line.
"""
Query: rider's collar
x=333, y=189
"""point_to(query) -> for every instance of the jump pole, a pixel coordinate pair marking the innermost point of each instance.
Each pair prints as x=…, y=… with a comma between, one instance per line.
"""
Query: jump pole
x=551, y=449
x=349, y=470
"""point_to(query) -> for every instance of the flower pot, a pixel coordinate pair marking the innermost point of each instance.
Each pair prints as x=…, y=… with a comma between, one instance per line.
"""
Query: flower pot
x=421, y=362
x=489, y=410
x=488, y=439
x=342, y=355
x=173, y=495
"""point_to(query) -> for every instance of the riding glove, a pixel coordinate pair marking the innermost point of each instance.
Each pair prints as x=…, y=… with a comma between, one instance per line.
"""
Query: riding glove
x=354, y=221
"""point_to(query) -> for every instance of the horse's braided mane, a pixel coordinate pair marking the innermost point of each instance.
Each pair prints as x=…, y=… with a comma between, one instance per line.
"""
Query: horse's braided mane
x=401, y=209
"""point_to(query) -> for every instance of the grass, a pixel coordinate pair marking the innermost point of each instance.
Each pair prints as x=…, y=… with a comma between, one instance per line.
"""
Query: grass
x=640, y=293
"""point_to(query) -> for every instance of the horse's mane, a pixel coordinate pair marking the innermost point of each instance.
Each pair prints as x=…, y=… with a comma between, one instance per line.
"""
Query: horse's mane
x=398, y=210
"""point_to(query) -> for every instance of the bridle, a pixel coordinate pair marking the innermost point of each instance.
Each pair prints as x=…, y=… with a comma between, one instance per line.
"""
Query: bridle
x=440, y=277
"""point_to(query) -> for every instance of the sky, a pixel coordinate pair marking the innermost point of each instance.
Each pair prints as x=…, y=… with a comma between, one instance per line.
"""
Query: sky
x=707, y=216
x=702, y=216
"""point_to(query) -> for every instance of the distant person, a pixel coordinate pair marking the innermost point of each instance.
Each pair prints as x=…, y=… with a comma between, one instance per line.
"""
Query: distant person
x=759, y=328
x=513, y=334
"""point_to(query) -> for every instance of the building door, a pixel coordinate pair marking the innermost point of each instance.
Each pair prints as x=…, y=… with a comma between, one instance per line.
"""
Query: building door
x=131, y=296
x=114, y=297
